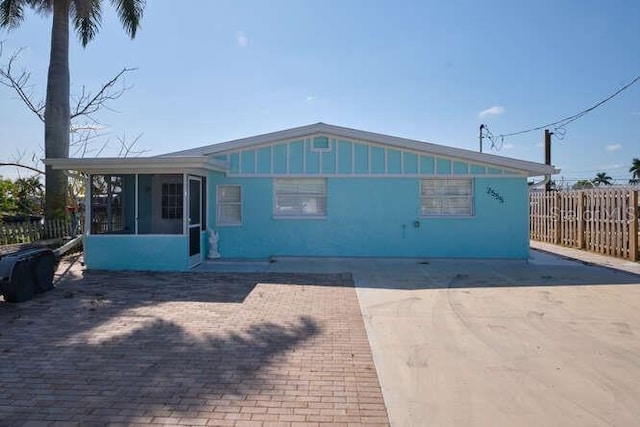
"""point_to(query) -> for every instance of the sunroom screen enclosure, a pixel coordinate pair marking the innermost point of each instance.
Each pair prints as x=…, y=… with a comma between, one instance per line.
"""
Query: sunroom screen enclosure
x=139, y=204
x=161, y=206
x=112, y=204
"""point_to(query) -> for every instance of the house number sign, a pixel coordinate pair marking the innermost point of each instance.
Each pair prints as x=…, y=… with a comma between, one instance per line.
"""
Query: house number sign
x=493, y=193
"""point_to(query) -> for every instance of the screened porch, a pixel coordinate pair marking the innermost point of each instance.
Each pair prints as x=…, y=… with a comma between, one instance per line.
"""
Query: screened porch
x=142, y=204
x=145, y=213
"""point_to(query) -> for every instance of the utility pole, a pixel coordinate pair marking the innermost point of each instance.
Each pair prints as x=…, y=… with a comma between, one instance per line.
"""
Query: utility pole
x=480, y=137
x=547, y=154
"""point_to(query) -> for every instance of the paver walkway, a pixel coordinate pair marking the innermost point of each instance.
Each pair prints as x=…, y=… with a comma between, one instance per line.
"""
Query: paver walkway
x=189, y=349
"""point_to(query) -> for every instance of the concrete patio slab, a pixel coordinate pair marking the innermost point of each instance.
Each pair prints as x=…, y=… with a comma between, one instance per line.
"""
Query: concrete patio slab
x=135, y=348
x=475, y=343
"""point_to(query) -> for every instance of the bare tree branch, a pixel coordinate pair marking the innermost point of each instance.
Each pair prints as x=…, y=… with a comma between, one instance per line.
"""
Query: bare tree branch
x=19, y=159
x=19, y=165
x=86, y=104
x=87, y=127
x=88, y=134
x=127, y=148
x=83, y=141
x=19, y=82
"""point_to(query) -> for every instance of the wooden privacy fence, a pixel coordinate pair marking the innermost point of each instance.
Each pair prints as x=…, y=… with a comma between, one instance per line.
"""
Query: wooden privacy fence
x=30, y=232
x=598, y=220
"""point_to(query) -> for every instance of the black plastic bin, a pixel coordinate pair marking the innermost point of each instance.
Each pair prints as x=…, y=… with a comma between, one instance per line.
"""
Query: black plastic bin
x=26, y=272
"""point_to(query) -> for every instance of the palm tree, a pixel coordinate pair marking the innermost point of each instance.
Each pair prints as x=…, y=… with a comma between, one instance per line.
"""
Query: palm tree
x=634, y=170
x=582, y=184
x=28, y=195
x=602, y=178
x=86, y=16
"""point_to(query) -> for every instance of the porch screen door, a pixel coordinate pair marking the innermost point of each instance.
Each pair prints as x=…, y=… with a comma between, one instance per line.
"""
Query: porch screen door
x=195, y=219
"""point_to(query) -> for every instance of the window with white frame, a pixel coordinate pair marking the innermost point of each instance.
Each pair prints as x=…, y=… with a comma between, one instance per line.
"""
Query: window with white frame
x=229, y=205
x=446, y=197
x=300, y=198
x=172, y=200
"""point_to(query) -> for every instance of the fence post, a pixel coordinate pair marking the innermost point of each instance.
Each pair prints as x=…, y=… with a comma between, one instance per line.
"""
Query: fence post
x=633, y=226
x=556, y=218
x=581, y=225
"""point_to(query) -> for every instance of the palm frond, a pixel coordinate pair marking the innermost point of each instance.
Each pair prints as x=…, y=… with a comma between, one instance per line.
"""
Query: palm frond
x=635, y=168
x=11, y=13
x=87, y=18
x=130, y=13
x=42, y=7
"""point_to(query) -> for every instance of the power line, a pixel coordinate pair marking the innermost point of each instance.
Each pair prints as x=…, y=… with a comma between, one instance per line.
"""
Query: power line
x=563, y=122
x=496, y=144
x=613, y=178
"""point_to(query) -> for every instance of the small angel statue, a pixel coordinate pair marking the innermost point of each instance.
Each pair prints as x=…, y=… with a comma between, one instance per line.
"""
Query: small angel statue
x=214, y=238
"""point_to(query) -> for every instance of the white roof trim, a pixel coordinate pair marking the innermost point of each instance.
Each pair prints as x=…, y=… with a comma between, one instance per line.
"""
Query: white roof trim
x=138, y=164
x=531, y=168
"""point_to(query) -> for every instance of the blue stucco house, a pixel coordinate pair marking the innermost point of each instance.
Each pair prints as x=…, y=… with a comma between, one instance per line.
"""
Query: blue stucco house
x=312, y=191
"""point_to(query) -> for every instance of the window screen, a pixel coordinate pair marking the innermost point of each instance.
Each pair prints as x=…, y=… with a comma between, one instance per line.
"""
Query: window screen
x=300, y=198
x=446, y=197
x=229, y=205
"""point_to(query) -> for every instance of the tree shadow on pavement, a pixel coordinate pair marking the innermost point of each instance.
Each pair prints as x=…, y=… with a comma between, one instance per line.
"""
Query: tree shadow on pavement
x=114, y=347
x=157, y=370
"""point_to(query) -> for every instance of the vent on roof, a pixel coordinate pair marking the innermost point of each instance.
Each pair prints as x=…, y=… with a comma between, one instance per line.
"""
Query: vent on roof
x=320, y=143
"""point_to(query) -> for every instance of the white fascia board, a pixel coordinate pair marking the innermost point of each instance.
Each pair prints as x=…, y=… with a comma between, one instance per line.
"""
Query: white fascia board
x=138, y=164
x=266, y=138
x=530, y=168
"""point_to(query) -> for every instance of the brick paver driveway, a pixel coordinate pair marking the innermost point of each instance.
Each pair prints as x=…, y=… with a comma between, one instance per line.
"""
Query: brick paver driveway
x=189, y=349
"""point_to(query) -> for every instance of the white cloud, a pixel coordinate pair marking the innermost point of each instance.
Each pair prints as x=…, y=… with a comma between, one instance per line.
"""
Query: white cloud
x=242, y=39
x=611, y=166
x=496, y=110
x=310, y=98
x=508, y=146
x=614, y=147
x=635, y=113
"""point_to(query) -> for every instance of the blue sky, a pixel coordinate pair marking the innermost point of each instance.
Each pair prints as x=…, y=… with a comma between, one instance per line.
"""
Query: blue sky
x=219, y=70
